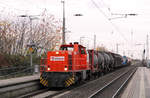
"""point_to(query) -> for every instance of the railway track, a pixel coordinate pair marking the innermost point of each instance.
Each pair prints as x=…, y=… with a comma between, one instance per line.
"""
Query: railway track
x=89, y=88
x=18, y=89
x=53, y=92
x=114, y=87
x=64, y=92
x=44, y=93
x=32, y=89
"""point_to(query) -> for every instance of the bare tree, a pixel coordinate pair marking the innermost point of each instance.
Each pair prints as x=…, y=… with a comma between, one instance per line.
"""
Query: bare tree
x=16, y=34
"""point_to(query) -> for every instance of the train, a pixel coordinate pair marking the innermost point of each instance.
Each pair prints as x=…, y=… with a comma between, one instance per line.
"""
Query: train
x=73, y=63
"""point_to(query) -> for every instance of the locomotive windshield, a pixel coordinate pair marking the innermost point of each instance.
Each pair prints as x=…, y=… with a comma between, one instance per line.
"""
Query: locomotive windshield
x=82, y=50
x=66, y=48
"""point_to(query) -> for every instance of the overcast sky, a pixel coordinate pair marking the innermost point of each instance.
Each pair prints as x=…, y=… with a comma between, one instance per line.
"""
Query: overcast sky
x=95, y=20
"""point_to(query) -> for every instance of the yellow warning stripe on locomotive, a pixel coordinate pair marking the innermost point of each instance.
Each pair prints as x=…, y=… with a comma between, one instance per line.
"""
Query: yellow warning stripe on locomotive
x=43, y=81
x=69, y=81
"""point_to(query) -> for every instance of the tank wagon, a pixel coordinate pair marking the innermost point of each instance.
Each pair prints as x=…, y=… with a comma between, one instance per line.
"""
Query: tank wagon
x=72, y=63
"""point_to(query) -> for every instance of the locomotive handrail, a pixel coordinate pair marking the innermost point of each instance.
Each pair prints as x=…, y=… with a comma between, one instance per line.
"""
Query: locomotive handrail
x=43, y=64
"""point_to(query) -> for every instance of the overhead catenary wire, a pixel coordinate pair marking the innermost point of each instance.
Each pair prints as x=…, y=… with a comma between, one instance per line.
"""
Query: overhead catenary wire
x=115, y=27
x=108, y=8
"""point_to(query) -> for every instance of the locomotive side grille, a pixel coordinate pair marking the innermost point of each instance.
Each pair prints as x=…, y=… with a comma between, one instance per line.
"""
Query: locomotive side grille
x=70, y=61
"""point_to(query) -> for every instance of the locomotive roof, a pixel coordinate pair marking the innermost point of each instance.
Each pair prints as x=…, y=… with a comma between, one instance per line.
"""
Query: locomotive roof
x=71, y=45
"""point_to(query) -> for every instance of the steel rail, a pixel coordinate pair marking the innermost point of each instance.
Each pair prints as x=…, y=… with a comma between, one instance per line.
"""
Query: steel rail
x=34, y=93
x=21, y=88
x=123, y=85
x=111, y=82
x=20, y=83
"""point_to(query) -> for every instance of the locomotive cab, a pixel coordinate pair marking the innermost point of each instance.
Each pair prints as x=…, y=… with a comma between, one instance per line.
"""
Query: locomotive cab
x=69, y=58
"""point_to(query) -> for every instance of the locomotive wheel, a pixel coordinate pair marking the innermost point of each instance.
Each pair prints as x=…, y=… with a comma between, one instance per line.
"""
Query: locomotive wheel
x=78, y=75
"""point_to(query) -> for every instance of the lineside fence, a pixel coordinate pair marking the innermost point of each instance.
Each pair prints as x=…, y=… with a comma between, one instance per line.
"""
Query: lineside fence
x=11, y=72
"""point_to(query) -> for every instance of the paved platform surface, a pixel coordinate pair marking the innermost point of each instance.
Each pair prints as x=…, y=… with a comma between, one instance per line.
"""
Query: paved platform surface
x=139, y=86
x=19, y=80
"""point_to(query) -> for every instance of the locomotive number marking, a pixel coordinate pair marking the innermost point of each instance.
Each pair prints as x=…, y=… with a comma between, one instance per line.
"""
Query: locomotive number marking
x=58, y=58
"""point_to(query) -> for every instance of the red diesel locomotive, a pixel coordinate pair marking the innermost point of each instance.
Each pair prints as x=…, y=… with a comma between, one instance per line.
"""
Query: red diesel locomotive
x=73, y=63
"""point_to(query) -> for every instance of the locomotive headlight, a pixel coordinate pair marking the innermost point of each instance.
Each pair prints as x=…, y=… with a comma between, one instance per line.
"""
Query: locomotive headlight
x=48, y=68
x=57, y=52
x=65, y=68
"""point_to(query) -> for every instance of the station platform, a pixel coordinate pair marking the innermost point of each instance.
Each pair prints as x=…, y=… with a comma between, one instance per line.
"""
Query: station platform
x=12, y=81
x=139, y=85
